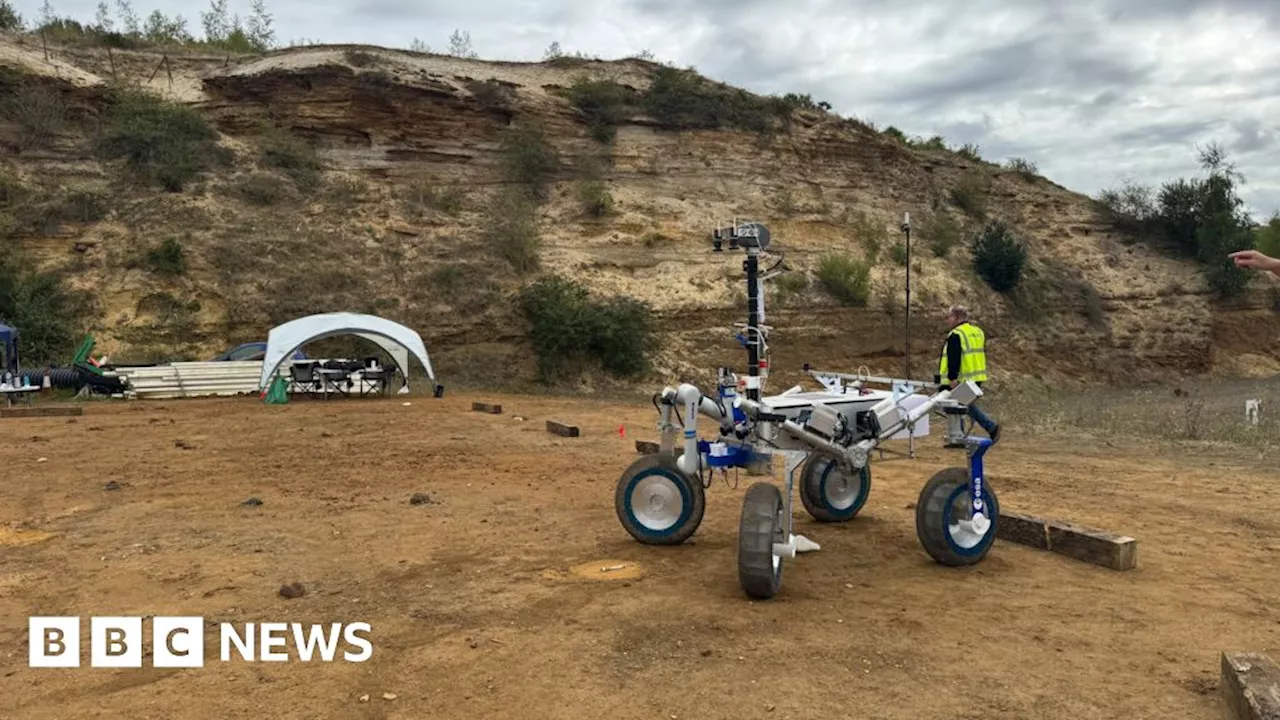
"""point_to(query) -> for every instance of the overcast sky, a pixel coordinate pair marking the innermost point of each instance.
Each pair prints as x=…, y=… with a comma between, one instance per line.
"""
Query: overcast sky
x=1093, y=91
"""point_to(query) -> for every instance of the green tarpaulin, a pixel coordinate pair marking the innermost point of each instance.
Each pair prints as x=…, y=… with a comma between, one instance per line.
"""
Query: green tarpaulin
x=278, y=394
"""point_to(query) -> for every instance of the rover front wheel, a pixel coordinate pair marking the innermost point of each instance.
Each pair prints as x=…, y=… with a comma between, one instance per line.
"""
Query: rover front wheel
x=656, y=503
x=942, y=519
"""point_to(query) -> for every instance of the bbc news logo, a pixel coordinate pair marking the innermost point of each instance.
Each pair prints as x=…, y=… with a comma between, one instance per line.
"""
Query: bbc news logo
x=178, y=642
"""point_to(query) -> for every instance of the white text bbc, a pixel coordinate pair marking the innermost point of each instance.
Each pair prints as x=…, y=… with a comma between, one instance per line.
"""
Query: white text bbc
x=178, y=642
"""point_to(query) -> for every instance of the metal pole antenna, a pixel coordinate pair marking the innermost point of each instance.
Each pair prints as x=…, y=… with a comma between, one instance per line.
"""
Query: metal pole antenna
x=906, y=228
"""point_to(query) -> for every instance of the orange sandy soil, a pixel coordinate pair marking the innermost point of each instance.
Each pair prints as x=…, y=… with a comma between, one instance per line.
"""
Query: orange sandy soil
x=489, y=602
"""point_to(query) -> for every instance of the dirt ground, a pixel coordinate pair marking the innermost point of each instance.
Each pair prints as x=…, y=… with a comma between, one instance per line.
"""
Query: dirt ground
x=488, y=601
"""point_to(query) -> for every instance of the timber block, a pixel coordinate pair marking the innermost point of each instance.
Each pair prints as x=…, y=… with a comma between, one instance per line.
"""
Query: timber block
x=556, y=428
x=1251, y=686
x=490, y=408
x=1118, y=552
x=37, y=411
x=1024, y=530
x=644, y=447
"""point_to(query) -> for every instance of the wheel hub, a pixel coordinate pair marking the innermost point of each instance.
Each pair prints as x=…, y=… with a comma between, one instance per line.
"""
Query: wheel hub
x=656, y=502
x=839, y=489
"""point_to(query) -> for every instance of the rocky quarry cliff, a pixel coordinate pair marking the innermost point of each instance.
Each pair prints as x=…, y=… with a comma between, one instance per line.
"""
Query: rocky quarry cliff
x=376, y=180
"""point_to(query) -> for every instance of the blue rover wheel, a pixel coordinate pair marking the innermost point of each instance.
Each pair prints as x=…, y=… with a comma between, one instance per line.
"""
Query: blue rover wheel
x=830, y=494
x=656, y=503
x=761, y=525
x=941, y=519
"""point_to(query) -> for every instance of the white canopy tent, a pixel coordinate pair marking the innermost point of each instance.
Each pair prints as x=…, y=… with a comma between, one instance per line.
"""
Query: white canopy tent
x=396, y=339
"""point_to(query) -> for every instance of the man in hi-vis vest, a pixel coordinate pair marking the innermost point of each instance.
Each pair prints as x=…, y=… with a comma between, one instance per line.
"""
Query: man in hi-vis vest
x=965, y=358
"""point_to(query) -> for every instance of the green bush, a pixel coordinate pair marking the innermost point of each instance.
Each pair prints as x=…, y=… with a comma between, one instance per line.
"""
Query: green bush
x=789, y=285
x=490, y=93
x=871, y=235
x=293, y=156
x=1023, y=167
x=167, y=258
x=1266, y=238
x=942, y=233
x=568, y=325
x=529, y=158
x=511, y=230
x=898, y=253
x=595, y=197
x=1131, y=208
x=683, y=100
x=970, y=194
x=846, y=278
x=970, y=151
x=604, y=104
x=39, y=111
x=49, y=316
x=999, y=257
x=9, y=18
x=162, y=141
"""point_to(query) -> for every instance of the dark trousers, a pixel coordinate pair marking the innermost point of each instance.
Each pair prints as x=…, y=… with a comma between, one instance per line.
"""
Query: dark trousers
x=980, y=417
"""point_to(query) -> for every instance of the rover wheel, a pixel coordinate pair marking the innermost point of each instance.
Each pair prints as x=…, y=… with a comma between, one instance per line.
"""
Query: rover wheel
x=830, y=494
x=656, y=503
x=940, y=519
x=759, y=570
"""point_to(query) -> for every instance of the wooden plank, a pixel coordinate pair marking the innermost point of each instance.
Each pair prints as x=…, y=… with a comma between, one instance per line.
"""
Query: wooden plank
x=557, y=428
x=39, y=411
x=1023, y=529
x=644, y=447
x=1118, y=552
x=490, y=408
x=1251, y=686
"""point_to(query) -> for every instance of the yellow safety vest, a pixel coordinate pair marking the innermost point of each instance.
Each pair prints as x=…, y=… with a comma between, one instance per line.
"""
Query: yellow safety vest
x=973, y=357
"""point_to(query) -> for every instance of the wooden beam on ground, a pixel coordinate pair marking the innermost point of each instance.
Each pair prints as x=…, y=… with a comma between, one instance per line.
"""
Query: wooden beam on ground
x=556, y=428
x=37, y=411
x=490, y=408
x=1251, y=686
x=644, y=447
x=1118, y=552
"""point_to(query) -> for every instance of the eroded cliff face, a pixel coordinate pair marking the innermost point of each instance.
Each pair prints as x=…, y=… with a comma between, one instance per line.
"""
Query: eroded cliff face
x=398, y=131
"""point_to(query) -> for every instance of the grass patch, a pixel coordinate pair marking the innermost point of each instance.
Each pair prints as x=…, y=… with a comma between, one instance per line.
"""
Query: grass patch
x=788, y=286
x=941, y=233
x=161, y=141
x=970, y=194
x=846, y=278
x=360, y=58
x=568, y=326
x=871, y=235
x=262, y=189
x=1212, y=411
x=292, y=155
x=421, y=197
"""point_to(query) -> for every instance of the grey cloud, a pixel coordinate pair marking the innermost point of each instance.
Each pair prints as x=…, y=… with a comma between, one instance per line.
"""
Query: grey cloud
x=1251, y=136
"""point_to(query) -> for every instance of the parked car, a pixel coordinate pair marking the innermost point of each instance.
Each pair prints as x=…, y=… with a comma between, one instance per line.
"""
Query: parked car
x=251, y=351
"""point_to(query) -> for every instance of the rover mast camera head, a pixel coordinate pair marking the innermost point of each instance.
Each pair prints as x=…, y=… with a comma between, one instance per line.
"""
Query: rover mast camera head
x=752, y=235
